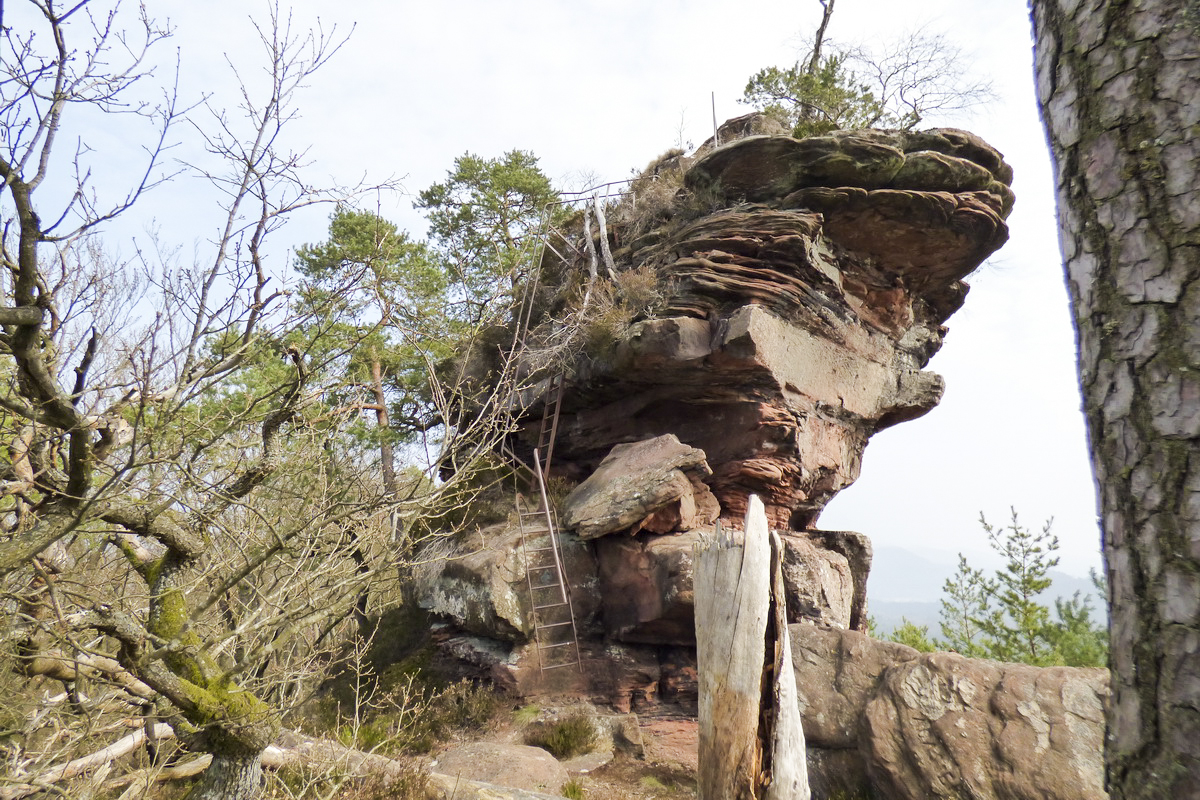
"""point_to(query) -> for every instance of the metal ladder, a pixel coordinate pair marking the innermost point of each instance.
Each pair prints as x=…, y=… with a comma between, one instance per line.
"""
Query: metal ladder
x=555, y=635
x=551, y=409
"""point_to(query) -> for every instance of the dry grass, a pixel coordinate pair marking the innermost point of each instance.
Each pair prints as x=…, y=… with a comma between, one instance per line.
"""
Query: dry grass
x=653, y=196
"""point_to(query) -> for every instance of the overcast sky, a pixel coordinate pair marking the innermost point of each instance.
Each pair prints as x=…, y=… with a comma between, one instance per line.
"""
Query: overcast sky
x=597, y=89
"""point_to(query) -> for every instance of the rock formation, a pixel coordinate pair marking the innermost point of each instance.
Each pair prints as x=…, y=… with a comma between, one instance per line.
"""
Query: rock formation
x=882, y=718
x=799, y=310
x=802, y=286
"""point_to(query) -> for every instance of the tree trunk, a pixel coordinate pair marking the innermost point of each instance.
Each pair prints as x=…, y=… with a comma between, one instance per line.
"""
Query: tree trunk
x=814, y=57
x=1117, y=85
x=387, y=458
x=230, y=776
x=751, y=741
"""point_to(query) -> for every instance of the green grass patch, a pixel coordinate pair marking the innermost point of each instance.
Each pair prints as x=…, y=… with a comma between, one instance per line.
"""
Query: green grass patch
x=569, y=737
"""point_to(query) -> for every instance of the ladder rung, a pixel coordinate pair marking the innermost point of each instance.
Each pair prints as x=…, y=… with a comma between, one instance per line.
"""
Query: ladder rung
x=557, y=666
x=544, y=566
x=555, y=624
x=538, y=549
x=552, y=646
x=549, y=605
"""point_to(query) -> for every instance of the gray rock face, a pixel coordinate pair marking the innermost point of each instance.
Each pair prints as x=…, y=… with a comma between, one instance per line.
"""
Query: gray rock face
x=479, y=582
x=856, y=548
x=655, y=484
x=947, y=726
x=914, y=726
x=820, y=582
x=505, y=765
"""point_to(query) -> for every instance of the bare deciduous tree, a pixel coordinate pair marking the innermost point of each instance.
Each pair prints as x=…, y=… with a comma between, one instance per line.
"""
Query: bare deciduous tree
x=184, y=522
x=895, y=85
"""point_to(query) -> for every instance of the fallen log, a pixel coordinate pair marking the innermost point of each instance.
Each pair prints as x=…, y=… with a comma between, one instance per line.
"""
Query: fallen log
x=292, y=750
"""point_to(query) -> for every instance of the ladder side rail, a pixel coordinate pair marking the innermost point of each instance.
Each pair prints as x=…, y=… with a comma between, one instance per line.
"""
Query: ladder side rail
x=558, y=396
x=549, y=522
x=537, y=636
x=552, y=524
x=571, y=611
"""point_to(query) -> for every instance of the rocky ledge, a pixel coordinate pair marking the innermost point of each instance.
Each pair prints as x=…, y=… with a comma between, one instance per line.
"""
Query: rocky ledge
x=805, y=283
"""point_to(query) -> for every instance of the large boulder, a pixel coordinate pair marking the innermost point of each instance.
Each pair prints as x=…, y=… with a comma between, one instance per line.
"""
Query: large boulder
x=655, y=484
x=856, y=549
x=478, y=582
x=513, y=766
x=947, y=726
x=882, y=717
x=821, y=583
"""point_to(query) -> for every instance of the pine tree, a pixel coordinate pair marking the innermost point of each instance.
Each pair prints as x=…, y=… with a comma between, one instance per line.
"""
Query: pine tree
x=485, y=216
x=1018, y=626
x=967, y=601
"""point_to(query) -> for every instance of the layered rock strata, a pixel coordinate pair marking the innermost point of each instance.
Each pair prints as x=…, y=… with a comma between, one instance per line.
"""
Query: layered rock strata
x=804, y=287
x=800, y=309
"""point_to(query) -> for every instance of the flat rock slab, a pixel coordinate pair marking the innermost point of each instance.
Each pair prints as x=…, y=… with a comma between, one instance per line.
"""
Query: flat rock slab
x=673, y=742
x=451, y=787
x=509, y=765
x=582, y=765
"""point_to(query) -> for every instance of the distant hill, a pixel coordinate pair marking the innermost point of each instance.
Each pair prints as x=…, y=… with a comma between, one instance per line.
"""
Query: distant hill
x=904, y=584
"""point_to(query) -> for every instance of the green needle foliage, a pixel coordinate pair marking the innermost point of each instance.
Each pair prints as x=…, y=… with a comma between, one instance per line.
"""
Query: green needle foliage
x=813, y=102
x=967, y=599
x=1019, y=627
x=1003, y=617
x=914, y=635
x=379, y=306
x=893, y=84
x=485, y=217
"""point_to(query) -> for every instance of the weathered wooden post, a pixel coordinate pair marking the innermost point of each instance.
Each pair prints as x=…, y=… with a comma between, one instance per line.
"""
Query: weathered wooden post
x=751, y=743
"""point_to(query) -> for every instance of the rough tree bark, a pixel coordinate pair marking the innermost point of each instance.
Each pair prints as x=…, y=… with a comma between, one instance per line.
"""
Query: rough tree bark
x=1117, y=83
x=751, y=739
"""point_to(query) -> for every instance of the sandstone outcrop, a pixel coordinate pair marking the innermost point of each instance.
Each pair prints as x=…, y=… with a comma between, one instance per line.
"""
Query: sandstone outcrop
x=882, y=717
x=947, y=726
x=632, y=589
x=646, y=585
x=656, y=485
x=802, y=287
x=805, y=285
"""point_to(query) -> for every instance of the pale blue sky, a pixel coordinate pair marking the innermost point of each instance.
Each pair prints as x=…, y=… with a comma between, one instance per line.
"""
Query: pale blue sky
x=598, y=89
